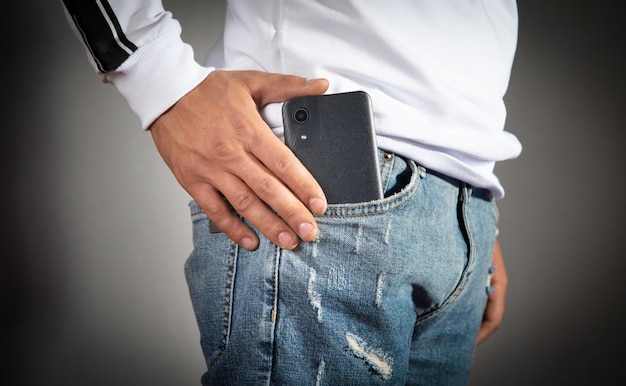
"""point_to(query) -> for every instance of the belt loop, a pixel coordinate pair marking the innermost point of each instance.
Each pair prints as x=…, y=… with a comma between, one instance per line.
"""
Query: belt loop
x=421, y=171
x=463, y=192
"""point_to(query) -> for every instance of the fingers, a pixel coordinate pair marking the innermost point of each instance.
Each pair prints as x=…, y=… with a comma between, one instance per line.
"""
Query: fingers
x=285, y=167
x=258, y=201
x=249, y=205
x=275, y=155
x=217, y=145
x=277, y=177
x=267, y=185
x=223, y=216
x=281, y=182
x=257, y=195
x=494, y=311
x=269, y=87
x=491, y=318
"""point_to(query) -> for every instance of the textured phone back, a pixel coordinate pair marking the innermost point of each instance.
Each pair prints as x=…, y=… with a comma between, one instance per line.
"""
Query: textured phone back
x=336, y=143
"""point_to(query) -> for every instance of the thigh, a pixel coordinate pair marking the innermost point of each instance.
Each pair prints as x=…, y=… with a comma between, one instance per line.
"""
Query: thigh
x=349, y=304
x=444, y=339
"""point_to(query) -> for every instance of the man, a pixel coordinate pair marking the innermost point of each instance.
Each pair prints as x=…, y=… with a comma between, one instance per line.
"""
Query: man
x=286, y=288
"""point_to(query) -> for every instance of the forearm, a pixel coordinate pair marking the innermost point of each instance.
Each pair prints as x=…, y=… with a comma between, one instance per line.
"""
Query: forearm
x=136, y=46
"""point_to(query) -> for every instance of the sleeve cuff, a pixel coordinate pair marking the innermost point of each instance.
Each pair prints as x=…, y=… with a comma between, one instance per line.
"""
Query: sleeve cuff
x=157, y=75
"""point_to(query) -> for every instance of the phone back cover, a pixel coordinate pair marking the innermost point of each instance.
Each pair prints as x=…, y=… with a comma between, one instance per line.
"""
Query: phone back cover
x=337, y=144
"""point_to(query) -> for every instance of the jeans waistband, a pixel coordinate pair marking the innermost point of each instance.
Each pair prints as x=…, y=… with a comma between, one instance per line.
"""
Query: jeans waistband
x=481, y=193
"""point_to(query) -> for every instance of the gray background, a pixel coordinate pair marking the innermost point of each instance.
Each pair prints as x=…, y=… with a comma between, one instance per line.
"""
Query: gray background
x=96, y=229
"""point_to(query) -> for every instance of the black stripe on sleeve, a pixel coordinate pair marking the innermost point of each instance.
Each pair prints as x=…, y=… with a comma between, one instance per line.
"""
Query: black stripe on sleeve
x=101, y=32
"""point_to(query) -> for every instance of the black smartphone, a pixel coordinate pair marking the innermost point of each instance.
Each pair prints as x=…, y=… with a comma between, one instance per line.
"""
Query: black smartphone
x=333, y=136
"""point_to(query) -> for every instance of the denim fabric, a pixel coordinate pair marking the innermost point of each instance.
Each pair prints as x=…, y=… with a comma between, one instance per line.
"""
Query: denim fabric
x=391, y=293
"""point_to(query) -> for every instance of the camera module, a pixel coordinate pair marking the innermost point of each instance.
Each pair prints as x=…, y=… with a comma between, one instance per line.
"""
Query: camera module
x=301, y=115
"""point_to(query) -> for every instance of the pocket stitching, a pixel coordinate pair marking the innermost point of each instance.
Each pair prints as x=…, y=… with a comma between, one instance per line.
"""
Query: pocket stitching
x=377, y=206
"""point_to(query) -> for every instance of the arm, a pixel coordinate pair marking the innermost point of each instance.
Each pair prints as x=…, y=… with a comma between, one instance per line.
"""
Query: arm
x=136, y=46
x=494, y=312
x=205, y=123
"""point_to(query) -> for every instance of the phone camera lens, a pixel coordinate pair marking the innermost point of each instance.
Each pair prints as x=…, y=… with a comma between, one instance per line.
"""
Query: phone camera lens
x=301, y=115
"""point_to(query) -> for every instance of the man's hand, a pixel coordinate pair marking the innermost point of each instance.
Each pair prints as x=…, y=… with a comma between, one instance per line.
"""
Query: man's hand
x=218, y=147
x=494, y=312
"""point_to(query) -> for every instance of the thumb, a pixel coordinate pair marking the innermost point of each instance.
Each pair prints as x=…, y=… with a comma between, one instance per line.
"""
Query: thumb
x=269, y=87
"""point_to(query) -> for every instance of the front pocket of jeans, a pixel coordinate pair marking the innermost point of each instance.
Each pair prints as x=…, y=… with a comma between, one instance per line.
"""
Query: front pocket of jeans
x=210, y=271
x=375, y=207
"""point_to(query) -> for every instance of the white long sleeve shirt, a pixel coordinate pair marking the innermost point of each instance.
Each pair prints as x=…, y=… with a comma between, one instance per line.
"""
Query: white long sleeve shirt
x=437, y=71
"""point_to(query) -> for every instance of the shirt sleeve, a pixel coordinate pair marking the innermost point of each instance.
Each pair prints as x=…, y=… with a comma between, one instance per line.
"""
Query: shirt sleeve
x=137, y=46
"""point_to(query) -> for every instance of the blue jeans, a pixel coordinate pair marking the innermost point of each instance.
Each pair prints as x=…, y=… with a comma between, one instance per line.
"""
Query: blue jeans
x=392, y=292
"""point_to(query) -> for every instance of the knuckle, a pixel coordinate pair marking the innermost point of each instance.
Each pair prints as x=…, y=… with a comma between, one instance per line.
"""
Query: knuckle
x=267, y=187
x=224, y=149
x=270, y=225
x=231, y=226
x=290, y=209
x=291, y=215
x=215, y=208
x=214, y=211
x=243, y=200
x=244, y=130
x=282, y=165
x=288, y=79
x=241, y=127
x=243, y=133
x=187, y=177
